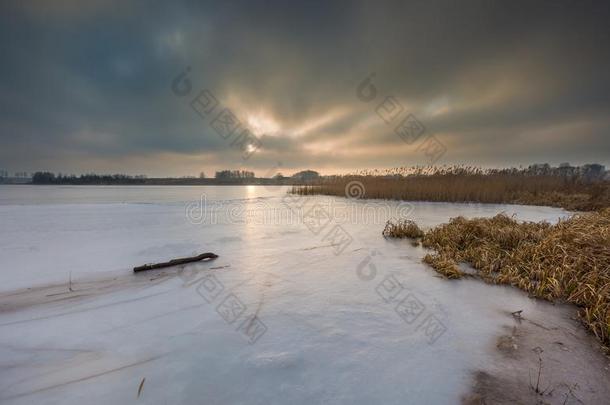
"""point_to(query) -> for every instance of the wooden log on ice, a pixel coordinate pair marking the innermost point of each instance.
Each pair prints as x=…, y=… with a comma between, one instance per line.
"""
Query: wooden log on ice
x=175, y=262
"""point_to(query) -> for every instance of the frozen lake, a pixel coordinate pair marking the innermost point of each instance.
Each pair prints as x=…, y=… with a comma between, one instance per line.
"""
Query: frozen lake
x=307, y=302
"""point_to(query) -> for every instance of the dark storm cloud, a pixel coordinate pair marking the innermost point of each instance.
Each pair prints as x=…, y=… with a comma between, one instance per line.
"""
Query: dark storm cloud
x=500, y=83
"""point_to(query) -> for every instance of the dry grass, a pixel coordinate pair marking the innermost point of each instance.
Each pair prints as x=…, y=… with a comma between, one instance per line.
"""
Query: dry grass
x=404, y=228
x=568, y=261
x=444, y=265
x=473, y=185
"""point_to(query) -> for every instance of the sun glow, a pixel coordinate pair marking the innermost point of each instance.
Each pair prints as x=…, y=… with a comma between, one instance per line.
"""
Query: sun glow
x=262, y=124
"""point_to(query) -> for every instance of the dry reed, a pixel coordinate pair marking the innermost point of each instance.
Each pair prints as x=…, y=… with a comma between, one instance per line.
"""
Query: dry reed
x=403, y=228
x=568, y=261
x=459, y=184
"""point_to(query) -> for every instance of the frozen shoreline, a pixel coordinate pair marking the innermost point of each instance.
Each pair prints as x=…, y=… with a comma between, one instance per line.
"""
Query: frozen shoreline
x=574, y=368
x=332, y=334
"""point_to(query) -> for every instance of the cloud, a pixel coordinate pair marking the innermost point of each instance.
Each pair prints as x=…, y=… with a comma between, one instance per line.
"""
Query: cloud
x=498, y=83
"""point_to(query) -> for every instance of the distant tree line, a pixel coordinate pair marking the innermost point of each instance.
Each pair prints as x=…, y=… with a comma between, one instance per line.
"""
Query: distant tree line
x=222, y=177
x=588, y=173
x=5, y=174
x=86, y=179
x=234, y=174
x=306, y=175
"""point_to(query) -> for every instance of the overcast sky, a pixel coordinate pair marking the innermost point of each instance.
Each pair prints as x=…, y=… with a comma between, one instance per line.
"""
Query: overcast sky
x=87, y=86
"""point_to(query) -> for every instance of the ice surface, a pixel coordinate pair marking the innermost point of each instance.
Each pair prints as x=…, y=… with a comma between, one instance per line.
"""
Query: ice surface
x=334, y=322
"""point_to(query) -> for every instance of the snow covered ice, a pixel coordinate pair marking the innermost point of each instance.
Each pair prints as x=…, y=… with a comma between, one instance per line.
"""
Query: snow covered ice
x=284, y=315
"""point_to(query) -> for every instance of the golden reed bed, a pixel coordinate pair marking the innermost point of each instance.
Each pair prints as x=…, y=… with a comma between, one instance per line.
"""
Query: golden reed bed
x=568, y=261
x=458, y=184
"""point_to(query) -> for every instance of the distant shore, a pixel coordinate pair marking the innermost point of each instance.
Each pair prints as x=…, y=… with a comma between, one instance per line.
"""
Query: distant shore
x=168, y=182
